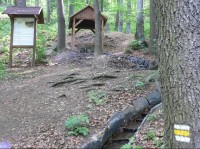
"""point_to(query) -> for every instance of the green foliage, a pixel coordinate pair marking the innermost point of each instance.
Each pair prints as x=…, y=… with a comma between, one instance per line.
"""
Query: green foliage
x=159, y=143
x=77, y=125
x=126, y=146
x=138, y=147
x=132, y=139
x=137, y=45
x=150, y=135
x=151, y=117
x=139, y=84
x=99, y=97
x=2, y=69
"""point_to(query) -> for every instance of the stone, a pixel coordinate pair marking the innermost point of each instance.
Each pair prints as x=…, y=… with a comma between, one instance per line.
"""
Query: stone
x=134, y=59
x=129, y=112
x=115, y=121
x=154, y=98
x=140, y=104
x=106, y=135
x=140, y=61
x=146, y=64
x=96, y=144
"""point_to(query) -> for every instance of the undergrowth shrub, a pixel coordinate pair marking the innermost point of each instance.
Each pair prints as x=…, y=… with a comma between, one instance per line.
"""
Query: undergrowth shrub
x=77, y=125
x=99, y=97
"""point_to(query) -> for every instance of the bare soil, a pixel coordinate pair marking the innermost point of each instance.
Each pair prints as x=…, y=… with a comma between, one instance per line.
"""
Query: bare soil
x=35, y=102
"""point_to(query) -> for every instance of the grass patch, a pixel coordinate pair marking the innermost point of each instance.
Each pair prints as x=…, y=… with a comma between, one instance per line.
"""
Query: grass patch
x=99, y=97
x=77, y=125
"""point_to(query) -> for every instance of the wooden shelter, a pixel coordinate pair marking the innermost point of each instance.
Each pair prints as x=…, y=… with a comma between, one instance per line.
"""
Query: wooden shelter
x=85, y=19
x=23, y=27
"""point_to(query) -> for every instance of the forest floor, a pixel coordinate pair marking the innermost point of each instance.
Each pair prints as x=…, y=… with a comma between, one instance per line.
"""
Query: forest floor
x=35, y=102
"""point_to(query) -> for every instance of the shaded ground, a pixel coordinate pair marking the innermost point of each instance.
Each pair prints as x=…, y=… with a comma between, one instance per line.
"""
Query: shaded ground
x=151, y=133
x=33, y=108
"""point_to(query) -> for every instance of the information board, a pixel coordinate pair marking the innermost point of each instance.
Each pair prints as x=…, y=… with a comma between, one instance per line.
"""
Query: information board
x=23, y=34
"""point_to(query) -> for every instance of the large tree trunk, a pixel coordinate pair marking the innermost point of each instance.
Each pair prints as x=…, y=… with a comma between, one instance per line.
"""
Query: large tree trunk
x=48, y=10
x=139, y=35
x=121, y=22
x=128, y=22
x=98, y=33
x=179, y=44
x=61, y=26
x=153, y=33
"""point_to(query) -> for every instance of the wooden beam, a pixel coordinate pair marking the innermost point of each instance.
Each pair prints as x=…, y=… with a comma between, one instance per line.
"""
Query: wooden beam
x=73, y=34
x=11, y=42
x=93, y=30
x=34, y=42
x=102, y=33
x=78, y=23
x=77, y=30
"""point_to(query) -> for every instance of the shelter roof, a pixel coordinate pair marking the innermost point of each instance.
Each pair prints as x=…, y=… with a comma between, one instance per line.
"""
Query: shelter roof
x=87, y=15
x=25, y=11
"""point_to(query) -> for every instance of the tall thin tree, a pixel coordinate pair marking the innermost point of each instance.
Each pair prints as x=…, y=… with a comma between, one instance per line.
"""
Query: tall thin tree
x=61, y=26
x=139, y=35
x=120, y=22
x=128, y=22
x=153, y=32
x=98, y=30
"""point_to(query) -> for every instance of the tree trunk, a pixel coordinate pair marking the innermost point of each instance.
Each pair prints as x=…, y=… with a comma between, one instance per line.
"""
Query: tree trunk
x=120, y=25
x=71, y=8
x=102, y=5
x=37, y=3
x=48, y=10
x=21, y=3
x=153, y=33
x=117, y=20
x=179, y=44
x=139, y=35
x=128, y=22
x=98, y=30
x=61, y=26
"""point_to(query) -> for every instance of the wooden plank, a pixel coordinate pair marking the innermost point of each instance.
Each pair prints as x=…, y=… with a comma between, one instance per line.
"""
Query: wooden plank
x=102, y=34
x=78, y=23
x=73, y=34
x=77, y=30
x=92, y=30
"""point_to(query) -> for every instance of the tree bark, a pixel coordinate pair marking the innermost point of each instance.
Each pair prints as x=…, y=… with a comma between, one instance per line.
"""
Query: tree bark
x=61, y=26
x=139, y=35
x=48, y=10
x=128, y=22
x=98, y=30
x=153, y=33
x=21, y=3
x=179, y=44
x=37, y=3
x=120, y=25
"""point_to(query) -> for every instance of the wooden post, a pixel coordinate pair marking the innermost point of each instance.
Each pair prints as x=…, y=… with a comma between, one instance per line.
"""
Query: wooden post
x=34, y=43
x=102, y=33
x=73, y=34
x=11, y=42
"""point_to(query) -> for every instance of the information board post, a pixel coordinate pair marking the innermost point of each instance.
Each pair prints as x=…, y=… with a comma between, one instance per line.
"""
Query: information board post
x=11, y=42
x=24, y=21
x=23, y=35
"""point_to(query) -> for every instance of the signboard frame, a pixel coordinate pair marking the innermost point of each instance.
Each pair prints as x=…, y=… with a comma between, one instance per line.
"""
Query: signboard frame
x=12, y=46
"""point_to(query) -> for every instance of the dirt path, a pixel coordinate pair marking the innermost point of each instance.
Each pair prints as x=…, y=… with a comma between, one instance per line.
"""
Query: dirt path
x=34, y=108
